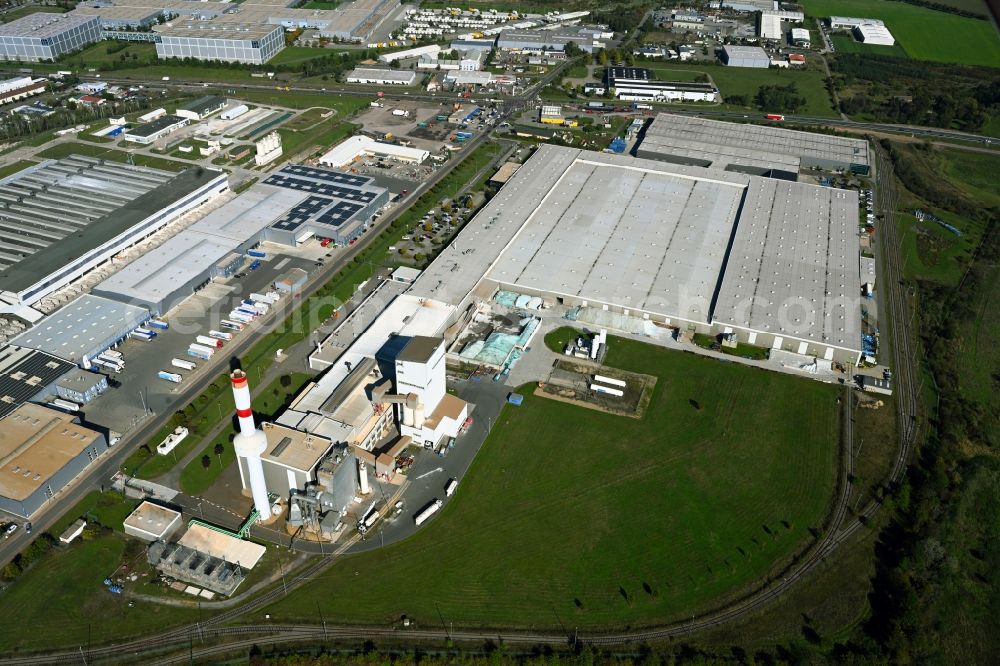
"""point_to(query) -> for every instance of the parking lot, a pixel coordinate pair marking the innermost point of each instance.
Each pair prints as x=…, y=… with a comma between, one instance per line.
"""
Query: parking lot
x=138, y=386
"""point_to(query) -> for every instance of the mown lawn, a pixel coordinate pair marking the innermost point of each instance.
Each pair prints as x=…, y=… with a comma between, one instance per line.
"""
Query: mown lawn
x=923, y=33
x=572, y=517
x=14, y=167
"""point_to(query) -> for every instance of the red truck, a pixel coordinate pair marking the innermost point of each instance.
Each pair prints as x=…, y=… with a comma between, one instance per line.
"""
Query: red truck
x=774, y=116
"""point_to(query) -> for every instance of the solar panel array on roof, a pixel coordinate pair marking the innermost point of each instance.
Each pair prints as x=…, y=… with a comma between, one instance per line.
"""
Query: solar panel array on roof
x=281, y=179
x=327, y=175
x=301, y=213
x=340, y=212
x=25, y=372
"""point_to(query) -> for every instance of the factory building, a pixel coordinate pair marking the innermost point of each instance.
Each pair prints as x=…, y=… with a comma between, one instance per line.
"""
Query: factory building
x=382, y=77
x=201, y=108
x=291, y=460
x=62, y=218
x=703, y=250
x=769, y=27
x=154, y=130
x=878, y=35
x=21, y=87
x=350, y=149
x=121, y=18
x=42, y=450
x=539, y=41
x=82, y=329
x=152, y=522
x=745, y=56
x=26, y=374
x=637, y=84
x=749, y=5
x=44, y=36
x=756, y=149
x=849, y=22
x=289, y=207
x=247, y=43
x=431, y=50
x=801, y=38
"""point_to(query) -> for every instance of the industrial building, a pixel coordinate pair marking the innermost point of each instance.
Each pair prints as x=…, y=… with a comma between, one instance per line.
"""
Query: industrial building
x=539, y=41
x=351, y=148
x=849, y=22
x=765, y=261
x=152, y=522
x=289, y=207
x=44, y=36
x=430, y=49
x=756, y=149
x=21, y=87
x=745, y=56
x=466, y=78
x=801, y=38
x=62, y=218
x=121, y=18
x=247, y=43
x=749, y=5
x=84, y=328
x=638, y=85
x=81, y=386
x=42, y=450
x=769, y=27
x=291, y=459
x=878, y=35
x=26, y=374
x=551, y=115
x=201, y=108
x=155, y=129
x=382, y=77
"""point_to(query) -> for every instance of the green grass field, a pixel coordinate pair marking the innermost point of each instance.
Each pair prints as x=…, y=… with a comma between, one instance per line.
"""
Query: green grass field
x=975, y=174
x=923, y=33
x=319, y=4
x=844, y=43
x=571, y=517
x=295, y=54
x=94, y=150
x=21, y=12
x=742, y=81
x=14, y=167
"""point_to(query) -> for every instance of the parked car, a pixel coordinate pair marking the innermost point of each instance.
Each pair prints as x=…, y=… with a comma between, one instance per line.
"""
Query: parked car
x=10, y=530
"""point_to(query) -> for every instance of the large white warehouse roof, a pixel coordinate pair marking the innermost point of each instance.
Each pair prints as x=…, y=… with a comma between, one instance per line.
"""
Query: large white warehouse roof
x=349, y=149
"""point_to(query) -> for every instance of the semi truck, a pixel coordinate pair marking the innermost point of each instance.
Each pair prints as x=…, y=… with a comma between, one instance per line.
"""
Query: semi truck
x=208, y=341
x=774, y=116
x=143, y=334
x=169, y=376
x=259, y=254
x=112, y=353
x=159, y=323
x=181, y=363
x=66, y=405
x=427, y=512
x=231, y=325
x=221, y=335
x=115, y=367
x=200, y=351
x=449, y=488
x=368, y=520
x=241, y=317
x=244, y=310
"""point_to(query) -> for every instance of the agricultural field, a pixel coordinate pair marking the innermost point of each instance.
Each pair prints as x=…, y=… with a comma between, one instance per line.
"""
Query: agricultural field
x=923, y=33
x=573, y=517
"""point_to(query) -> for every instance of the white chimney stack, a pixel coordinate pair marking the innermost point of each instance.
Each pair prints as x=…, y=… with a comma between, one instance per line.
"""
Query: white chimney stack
x=250, y=443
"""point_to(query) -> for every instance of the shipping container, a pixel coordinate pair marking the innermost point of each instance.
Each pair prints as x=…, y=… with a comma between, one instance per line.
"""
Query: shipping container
x=181, y=363
x=221, y=335
x=159, y=323
x=169, y=376
x=427, y=512
x=208, y=341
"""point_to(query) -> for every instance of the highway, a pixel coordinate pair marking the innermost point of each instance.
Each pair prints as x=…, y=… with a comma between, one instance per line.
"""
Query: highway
x=206, y=634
